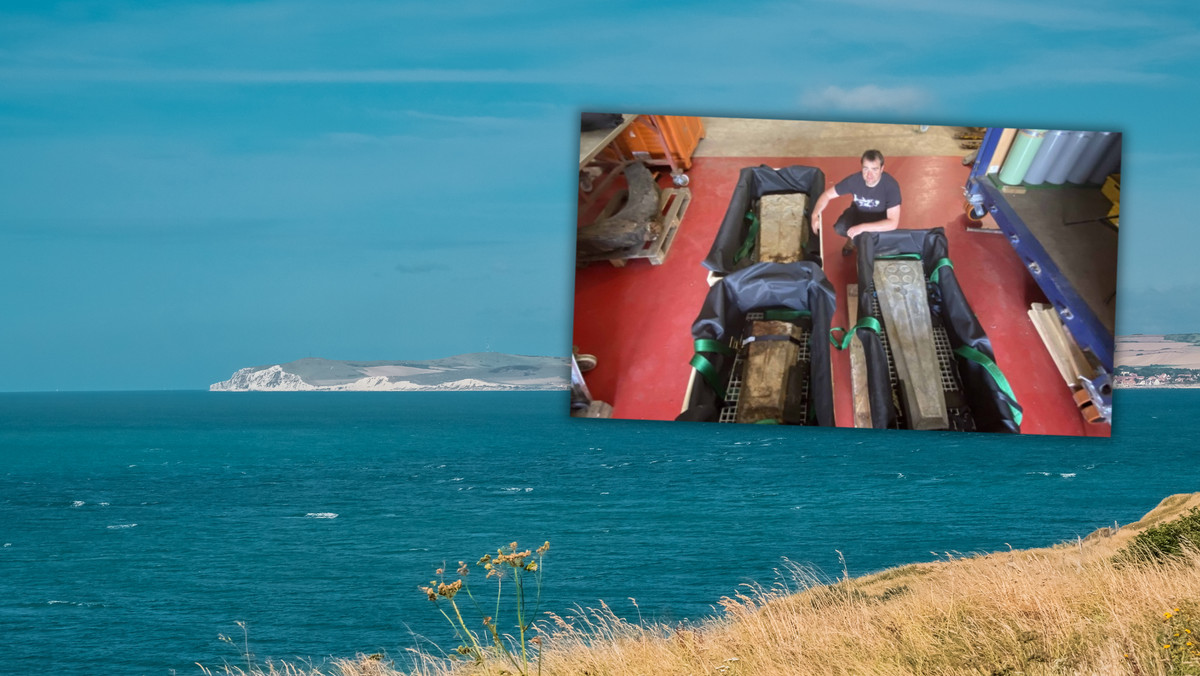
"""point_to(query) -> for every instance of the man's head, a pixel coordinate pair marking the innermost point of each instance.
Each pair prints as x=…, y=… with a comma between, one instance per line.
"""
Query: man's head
x=872, y=167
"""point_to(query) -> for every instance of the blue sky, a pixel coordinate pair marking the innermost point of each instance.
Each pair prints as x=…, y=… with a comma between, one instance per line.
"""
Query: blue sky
x=189, y=188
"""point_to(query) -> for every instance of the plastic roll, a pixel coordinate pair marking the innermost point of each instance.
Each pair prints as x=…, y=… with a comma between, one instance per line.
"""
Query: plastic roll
x=1051, y=147
x=1063, y=164
x=1090, y=158
x=1021, y=155
x=1109, y=163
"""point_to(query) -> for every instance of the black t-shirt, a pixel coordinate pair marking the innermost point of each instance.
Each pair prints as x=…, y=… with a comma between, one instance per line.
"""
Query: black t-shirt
x=885, y=194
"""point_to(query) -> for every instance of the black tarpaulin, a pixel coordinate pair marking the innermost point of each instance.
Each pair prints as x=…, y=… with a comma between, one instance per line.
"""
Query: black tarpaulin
x=794, y=286
x=753, y=183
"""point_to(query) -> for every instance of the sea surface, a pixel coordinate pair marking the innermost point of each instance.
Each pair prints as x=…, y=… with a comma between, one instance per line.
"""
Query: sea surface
x=137, y=527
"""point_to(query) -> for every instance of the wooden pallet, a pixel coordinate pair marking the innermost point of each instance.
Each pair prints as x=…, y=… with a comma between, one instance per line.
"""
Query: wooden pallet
x=672, y=205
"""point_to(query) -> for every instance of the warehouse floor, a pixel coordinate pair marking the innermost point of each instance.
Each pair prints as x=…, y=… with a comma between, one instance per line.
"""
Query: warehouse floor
x=637, y=319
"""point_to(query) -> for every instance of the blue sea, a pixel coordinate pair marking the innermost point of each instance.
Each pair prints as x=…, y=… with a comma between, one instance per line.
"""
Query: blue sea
x=137, y=527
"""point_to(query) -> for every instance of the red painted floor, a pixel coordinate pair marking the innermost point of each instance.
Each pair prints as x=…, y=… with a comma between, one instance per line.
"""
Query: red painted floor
x=637, y=319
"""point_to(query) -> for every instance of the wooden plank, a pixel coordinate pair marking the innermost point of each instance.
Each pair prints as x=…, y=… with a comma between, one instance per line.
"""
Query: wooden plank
x=858, y=365
x=905, y=308
x=592, y=142
x=768, y=367
x=781, y=229
x=1002, y=146
x=1067, y=356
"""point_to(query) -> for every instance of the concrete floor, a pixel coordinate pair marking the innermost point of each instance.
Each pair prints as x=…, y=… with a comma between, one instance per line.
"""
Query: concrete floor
x=740, y=137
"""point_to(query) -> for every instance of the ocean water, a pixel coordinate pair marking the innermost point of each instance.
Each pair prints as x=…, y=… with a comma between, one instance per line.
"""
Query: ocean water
x=136, y=527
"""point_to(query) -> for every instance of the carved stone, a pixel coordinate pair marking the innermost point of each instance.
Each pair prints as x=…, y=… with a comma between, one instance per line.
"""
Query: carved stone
x=769, y=363
x=905, y=308
x=781, y=230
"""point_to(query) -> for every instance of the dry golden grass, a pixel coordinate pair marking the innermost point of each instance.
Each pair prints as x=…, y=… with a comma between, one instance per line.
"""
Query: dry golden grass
x=1066, y=609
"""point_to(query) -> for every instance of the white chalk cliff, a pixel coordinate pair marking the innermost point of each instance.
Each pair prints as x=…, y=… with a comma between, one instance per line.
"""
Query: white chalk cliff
x=486, y=371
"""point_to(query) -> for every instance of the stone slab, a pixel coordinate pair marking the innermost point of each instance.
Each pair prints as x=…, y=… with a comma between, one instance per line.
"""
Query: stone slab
x=781, y=232
x=769, y=363
x=904, y=305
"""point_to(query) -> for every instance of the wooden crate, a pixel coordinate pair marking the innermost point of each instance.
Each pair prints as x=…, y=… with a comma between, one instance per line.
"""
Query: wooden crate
x=672, y=205
x=674, y=145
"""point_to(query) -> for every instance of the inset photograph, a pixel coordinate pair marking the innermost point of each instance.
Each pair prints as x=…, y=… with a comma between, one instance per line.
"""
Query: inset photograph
x=887, y=276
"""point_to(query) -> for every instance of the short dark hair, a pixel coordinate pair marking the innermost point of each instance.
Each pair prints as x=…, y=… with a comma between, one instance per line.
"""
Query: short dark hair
x=873, y=156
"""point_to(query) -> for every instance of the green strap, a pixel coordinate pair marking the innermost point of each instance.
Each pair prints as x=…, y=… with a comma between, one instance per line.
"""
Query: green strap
x=913, y=256
x=709, y=372
x=942, y=263
x=710, y=345
x=767, y=421
x=705, y=367
x=785, y=315
x=864, y=323
x=986, y=362
x=751, y=235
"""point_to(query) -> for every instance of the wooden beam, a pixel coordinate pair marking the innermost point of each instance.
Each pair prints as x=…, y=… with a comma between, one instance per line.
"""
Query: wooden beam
x=858, y=365
x=1068, y=358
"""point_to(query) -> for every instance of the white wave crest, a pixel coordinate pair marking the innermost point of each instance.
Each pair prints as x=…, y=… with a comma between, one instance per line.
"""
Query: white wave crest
x=1067, y=475
x=78, y=503
x=122, y=525
x=321, y=515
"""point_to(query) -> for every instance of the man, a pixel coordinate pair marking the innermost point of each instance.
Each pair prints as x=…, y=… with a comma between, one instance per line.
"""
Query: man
x=876, y=205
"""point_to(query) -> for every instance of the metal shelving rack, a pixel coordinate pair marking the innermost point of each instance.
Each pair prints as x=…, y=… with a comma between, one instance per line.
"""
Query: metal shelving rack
x=1085, y=326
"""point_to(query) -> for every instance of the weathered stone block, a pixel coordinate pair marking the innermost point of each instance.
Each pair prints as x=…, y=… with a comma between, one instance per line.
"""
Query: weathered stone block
x=905, y=308
x=768, y=368
x=782, y=231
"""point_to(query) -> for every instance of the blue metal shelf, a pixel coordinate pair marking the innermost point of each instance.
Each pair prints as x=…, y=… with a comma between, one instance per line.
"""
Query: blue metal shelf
x=1089, y=332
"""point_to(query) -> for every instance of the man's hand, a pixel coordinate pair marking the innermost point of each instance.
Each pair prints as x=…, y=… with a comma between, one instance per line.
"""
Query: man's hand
x=853, y=231
x=816, y=223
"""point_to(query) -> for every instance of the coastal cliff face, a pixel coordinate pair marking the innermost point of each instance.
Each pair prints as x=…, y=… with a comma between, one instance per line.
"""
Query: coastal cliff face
x=270, y=378
x=487, y=371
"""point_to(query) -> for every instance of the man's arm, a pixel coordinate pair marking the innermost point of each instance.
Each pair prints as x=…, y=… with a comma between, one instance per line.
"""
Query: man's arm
x=819, y=207
x=891, y=222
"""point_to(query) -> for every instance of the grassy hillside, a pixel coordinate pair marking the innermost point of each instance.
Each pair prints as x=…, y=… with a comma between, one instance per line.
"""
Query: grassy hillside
x=1100, y=605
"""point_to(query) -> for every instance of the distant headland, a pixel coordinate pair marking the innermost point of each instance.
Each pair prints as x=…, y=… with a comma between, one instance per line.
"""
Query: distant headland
x=480, y=371
x=1157, y=361
x=1142, y=361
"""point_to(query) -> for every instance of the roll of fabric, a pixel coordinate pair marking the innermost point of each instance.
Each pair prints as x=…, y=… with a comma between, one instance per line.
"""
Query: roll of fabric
x=1051, y=147
x=1090, y=158
x=1110, y=163
x=1076, y=142
x=1021, y=155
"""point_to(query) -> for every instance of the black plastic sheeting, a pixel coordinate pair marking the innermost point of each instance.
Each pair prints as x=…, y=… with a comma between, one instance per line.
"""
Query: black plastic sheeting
x=792, y=286
x=988, y=403
x=753, y=183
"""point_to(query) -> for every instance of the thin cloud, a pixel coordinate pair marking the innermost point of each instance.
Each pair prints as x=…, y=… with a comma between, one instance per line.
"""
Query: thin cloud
x=270, y=76
x=868, y=98
x=420, y=268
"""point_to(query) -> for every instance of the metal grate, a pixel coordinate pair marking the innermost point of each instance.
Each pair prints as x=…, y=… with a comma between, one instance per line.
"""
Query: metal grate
x=734, y=389
x=959, y=416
